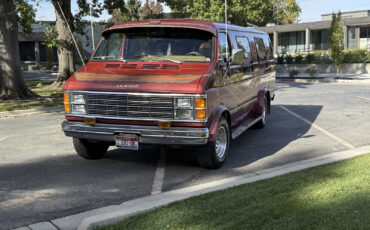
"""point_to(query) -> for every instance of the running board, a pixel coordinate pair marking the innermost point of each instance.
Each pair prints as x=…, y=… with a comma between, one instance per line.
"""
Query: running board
x=244, y=125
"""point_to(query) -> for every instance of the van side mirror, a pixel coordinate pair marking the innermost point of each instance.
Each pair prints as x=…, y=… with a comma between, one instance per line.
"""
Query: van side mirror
x=237, y=57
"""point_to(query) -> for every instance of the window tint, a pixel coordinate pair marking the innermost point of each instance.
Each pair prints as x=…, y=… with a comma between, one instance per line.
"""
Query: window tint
x=268, y=47
x=110, y=47
x=261, y=50
x=161, y=44
x=243, y=43
x=222, y=46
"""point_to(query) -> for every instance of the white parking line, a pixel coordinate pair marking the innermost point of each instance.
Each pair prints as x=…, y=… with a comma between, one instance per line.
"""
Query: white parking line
x=365, y=98
x=327, y=133
x=3, y=138
x=159, y=173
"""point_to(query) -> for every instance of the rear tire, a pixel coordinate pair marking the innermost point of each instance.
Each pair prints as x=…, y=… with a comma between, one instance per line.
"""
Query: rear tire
x=90, y=150
x=262, y=123
x=214, y=154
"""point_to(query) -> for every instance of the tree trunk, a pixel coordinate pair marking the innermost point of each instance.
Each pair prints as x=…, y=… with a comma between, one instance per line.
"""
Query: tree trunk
x=11, y=81
x=65, y=41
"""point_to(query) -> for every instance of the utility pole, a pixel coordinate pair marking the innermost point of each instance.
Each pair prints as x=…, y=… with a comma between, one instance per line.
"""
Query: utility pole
x=92, y=29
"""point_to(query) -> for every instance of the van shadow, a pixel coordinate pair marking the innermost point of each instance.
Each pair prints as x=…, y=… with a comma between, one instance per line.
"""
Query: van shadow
x=255, y=144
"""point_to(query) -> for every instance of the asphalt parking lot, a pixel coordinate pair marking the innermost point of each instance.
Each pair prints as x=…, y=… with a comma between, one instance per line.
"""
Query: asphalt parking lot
x=41, y=177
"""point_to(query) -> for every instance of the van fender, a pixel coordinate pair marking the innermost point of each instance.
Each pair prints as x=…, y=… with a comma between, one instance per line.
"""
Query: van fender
x=260, y=99
x=213, y=121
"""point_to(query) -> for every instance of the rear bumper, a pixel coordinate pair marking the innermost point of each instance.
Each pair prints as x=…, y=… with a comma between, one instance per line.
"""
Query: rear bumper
x=146, y=134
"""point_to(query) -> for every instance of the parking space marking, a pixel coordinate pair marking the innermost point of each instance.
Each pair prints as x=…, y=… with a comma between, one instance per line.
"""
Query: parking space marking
x=159, y=173
x=3, y=138
x=327, y=133
x=365, y=98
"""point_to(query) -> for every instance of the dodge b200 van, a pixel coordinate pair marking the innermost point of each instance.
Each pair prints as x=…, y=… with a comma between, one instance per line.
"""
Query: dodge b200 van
x=170, y=83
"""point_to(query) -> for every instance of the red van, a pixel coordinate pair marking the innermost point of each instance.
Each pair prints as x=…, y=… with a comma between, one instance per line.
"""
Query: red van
x=170, y=83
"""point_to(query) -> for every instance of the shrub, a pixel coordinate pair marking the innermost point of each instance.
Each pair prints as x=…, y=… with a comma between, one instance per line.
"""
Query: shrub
x=35, y=67
x=311, y=71
x=356, y=56
x=280, y=59
x=310, y=58
x=298, y=59
x=289, y=59
x=293, y=73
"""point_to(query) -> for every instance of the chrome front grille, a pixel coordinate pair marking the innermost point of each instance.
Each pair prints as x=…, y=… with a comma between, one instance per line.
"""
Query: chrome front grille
x=129, y=106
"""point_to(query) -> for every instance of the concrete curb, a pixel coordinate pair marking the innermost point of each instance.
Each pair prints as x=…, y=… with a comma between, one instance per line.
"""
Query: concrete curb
x=148, y=203
x=28, y=112
x=324, y=80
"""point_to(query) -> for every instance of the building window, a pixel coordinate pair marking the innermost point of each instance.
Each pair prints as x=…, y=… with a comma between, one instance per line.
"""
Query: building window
x=291, y=42
x=319, y=40
x=27, y=51
x=352, y=38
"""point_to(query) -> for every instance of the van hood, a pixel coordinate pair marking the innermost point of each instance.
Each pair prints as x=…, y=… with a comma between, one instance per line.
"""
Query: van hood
x=148, y=77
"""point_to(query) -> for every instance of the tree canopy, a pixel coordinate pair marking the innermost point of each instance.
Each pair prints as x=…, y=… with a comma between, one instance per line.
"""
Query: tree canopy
x=240, y=12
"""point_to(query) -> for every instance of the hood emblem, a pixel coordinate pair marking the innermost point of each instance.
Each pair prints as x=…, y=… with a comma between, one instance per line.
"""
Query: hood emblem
x=131, y=86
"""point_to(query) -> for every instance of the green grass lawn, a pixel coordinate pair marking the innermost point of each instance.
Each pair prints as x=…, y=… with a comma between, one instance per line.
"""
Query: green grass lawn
x=49, y=97
x=334, y=196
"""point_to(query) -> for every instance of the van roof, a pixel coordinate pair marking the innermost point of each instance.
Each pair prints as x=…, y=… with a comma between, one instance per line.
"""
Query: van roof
x=212, y=27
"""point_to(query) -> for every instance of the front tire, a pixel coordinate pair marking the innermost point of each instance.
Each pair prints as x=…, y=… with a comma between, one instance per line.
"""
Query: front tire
x=214, y=154
x=90, y=150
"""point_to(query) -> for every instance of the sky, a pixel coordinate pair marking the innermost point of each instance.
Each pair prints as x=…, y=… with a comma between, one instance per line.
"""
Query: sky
x=311, y=9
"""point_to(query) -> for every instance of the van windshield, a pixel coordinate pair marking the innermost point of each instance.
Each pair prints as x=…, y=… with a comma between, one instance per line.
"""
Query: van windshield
x=158, y=44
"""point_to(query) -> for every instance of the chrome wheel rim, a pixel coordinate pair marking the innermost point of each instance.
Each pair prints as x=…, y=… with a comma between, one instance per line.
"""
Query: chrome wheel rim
x=221, y=143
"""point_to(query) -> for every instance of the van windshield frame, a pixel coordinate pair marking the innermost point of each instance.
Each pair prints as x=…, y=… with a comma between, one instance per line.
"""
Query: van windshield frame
x=157, y=44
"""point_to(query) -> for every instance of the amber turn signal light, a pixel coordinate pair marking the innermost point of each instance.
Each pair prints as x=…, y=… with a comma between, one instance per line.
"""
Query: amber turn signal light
x=66, y=102
x=164, y=124
x=200, y=103
x=200, y=113
x=89, y=120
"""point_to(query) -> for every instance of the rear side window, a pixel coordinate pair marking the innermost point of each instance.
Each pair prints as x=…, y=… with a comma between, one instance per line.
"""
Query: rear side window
x=261, y=50
x=268, y=47
x=243, y=43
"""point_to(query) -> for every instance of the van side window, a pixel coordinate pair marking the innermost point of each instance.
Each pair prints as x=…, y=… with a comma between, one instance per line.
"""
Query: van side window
x=243, y=43
x=222, y=47
x=268, y=46
x=261, y=50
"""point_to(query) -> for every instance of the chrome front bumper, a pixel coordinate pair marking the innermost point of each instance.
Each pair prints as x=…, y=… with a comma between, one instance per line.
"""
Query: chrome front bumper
x=146, y=134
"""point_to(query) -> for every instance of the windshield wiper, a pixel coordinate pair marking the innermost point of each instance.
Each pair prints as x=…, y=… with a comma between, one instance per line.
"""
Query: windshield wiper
x=104, y=57
x=110, y=58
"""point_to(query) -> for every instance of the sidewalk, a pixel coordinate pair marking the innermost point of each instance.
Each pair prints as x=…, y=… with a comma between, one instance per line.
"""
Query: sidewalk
x=114, y=213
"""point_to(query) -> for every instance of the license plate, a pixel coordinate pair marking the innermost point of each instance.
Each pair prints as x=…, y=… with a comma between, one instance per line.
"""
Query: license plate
x=127, y=142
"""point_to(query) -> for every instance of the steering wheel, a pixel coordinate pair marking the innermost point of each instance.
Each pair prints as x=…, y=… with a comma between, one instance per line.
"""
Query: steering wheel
x=193, y=54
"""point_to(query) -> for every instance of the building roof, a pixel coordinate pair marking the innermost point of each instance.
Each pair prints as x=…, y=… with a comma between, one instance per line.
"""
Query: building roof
x=349, y=12
x=314, y=25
